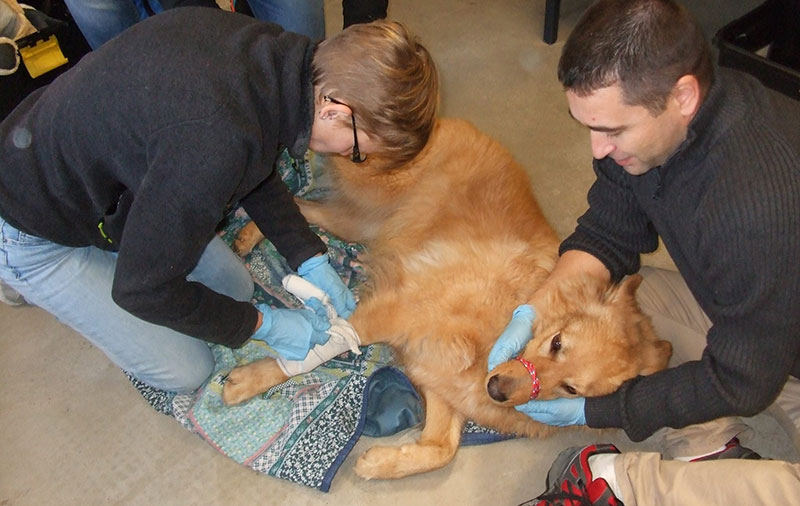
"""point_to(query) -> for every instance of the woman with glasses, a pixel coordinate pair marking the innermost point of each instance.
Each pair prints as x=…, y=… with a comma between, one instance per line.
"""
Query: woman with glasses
x=114, y=177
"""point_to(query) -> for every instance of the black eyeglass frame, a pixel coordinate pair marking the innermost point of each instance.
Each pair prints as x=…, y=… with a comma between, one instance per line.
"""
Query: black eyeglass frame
x=355, y=156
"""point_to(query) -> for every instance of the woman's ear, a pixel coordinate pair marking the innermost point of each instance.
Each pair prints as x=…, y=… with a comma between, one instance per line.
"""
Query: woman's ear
x=329, y=110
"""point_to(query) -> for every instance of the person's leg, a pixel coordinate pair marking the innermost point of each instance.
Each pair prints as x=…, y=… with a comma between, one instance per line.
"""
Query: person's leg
x=676, y=315
x=786, y=410
x=678, y=318
x=101, y=20
x=220, y=269
x=598, y=474
x=646, y=479
x=10, y=296
x=306, y=17
x=74, y=284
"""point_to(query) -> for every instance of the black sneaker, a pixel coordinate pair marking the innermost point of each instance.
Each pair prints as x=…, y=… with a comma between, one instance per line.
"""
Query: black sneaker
x=733, y=450
x=570, y=483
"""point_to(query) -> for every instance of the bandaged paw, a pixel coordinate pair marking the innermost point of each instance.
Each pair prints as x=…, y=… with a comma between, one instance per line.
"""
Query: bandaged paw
x=343, y=336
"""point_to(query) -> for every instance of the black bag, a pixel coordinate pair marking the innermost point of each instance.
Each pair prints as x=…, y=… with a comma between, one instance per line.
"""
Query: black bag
x=20, y=84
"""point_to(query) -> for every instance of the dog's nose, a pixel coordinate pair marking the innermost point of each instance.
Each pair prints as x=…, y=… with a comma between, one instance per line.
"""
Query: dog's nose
x=495, y=392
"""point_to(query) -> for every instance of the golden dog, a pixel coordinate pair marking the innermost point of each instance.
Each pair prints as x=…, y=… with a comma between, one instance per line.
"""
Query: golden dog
x=455, y=242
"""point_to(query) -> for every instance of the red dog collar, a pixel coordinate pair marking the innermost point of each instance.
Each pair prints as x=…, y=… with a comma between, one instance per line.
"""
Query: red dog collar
x=535, y=387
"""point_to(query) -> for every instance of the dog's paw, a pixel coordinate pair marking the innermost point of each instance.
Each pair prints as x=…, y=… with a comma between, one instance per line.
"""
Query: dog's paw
x=239, y=387
x=379, y=462
x=247, y=239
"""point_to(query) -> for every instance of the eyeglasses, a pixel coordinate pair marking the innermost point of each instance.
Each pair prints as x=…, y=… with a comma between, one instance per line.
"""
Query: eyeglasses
x=356, y=155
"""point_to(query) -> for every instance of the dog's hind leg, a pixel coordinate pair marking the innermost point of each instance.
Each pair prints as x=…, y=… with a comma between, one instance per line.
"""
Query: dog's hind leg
x=247, y=239
x=435, y=448
x=345, y=221
x=252, y=379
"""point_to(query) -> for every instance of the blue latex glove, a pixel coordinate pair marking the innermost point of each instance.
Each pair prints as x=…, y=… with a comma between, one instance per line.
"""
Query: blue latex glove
x=515, y=336
x=319, y=271
x=293, y=332
x=561, y=412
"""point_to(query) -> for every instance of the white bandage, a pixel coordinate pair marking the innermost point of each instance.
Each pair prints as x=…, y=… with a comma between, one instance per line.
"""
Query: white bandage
x=343, y=336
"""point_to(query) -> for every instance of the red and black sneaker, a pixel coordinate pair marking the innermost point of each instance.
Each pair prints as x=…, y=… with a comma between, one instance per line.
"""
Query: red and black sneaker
x=570, y=483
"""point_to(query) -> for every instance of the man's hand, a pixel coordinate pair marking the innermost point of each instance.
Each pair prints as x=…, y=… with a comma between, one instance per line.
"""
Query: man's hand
x=293, y=332
x=515, y=336
x=560, y=412
x=319, y=271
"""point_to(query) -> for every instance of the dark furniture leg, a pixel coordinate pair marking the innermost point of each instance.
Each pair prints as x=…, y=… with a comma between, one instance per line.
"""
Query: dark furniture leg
x=551, y=20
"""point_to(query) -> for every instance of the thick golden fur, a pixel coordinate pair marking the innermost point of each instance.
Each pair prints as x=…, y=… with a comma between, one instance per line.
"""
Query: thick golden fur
x=456, y=241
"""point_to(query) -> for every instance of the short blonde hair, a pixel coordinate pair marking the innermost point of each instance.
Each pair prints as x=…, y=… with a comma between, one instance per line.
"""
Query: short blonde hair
x=387, y=78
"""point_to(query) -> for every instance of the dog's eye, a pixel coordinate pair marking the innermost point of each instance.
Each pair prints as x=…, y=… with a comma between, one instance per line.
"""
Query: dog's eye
x=569, y=389
x=555, y=343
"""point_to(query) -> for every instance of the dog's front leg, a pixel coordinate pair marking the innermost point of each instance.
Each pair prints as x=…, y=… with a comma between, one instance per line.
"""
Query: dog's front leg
x=435, y=448
x=250, y=380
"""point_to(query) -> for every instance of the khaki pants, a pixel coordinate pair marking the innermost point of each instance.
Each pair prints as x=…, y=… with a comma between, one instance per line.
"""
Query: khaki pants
x=646, y=479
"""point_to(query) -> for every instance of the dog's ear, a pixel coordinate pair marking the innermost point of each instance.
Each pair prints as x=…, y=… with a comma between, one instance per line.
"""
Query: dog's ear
x=625, y=292
x=652, y=352
x=631, y=283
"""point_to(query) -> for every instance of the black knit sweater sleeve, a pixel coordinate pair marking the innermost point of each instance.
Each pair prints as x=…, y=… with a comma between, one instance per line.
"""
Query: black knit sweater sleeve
x=272, y=208
x=614, y=229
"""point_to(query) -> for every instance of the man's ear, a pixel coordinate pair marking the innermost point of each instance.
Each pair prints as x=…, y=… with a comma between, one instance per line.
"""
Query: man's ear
x=329, y=110
x=687, y=93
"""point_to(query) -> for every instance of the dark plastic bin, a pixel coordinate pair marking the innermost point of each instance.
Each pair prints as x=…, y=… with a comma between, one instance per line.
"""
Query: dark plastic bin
x=773, y=28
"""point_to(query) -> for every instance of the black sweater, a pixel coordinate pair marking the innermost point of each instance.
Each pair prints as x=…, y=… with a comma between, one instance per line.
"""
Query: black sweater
x=727, y=207
x=157, y=133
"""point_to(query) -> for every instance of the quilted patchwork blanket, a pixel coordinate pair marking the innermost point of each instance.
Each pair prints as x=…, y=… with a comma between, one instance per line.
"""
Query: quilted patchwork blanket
x=303, y=429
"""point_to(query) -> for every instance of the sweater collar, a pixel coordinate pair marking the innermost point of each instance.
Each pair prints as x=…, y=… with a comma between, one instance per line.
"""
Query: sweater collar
x=720, y=109
x=296, y=131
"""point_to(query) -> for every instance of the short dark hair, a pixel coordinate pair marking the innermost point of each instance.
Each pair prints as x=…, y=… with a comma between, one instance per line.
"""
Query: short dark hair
x=645, y=46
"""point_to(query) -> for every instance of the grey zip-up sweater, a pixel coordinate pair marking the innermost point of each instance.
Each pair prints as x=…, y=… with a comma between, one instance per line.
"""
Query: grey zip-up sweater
x=156, y=134
x=727, y=207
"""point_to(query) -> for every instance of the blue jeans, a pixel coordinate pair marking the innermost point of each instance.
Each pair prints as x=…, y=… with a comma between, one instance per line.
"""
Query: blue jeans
x=101, y=20
x=74, y=284
x=306, y=17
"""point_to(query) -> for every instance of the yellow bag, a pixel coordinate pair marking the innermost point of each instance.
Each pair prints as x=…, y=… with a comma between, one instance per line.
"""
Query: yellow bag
x=38, y=48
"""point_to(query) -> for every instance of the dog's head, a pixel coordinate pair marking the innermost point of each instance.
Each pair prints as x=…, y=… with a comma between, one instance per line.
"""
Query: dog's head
x=588, y=339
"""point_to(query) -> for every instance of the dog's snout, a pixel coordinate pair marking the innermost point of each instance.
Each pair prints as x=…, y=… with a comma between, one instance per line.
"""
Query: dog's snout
x=495, y=391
